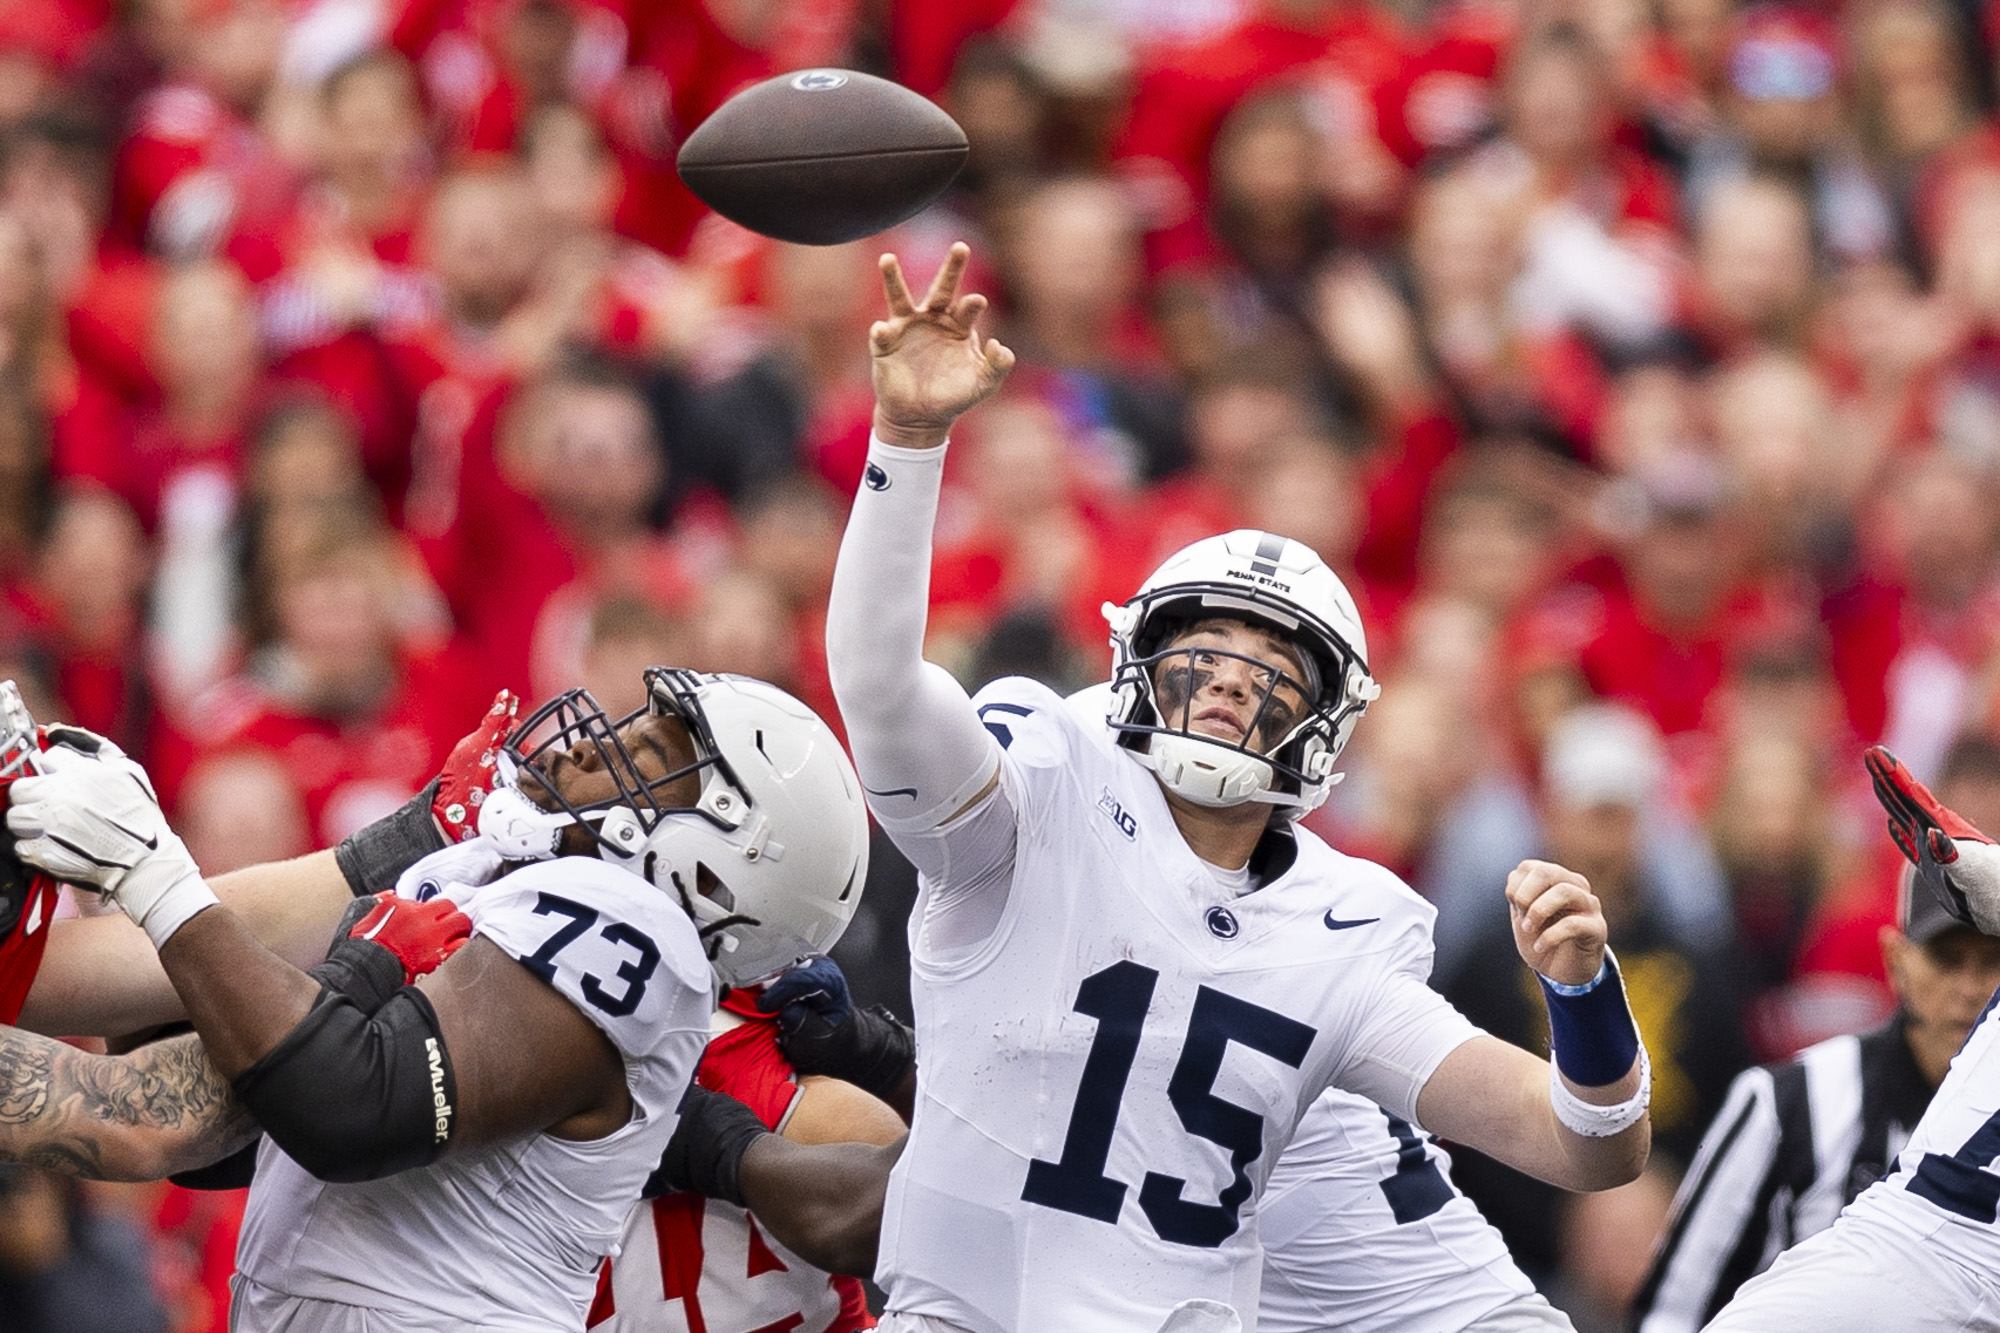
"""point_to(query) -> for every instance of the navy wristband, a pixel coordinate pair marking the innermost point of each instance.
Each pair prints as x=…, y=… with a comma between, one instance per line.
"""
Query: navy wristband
x=1592, y=1037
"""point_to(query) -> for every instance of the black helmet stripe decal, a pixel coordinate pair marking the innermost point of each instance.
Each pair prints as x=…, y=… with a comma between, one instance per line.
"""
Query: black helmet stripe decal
x=1269, y=547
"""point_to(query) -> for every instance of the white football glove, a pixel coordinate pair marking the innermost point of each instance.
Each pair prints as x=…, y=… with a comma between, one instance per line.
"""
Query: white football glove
x=91, y=818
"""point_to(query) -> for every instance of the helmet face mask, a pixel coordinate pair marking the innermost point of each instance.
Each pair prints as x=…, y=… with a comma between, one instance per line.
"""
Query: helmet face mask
x=761, y=836
x=1300, y=721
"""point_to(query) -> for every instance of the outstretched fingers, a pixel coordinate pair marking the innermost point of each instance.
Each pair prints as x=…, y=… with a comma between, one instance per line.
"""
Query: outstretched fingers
x=894, y=288
x=944, y=287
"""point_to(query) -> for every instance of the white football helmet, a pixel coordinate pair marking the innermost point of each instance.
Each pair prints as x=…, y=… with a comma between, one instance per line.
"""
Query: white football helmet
x=1271, y=581
x=771, y=857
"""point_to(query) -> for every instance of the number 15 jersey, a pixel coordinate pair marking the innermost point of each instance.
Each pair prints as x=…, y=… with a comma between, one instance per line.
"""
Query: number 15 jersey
x=1108, y=1075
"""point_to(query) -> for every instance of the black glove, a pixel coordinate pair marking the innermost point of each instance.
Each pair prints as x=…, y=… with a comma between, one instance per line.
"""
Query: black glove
x=705, y=1155
x=821, y=1032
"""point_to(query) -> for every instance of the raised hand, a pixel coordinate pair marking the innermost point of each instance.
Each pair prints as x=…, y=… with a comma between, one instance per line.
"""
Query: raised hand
x=1558, y=922
x=929, y=362
x=1953, y=859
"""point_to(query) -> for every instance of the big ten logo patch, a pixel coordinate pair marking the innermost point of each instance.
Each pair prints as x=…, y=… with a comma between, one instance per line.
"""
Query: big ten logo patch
x=1116, y=812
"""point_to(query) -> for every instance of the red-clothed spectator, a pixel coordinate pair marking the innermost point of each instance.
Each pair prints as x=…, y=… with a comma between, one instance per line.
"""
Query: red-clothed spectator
x=1881, y=344
x=196, y=175
x=1464, y=256
x=1253, y=398
x=1073, y=281
x=1664, y=640
x=357, y=722
x=204, y=354
x=1022, y=531
x=1342, y=55
x=1753, y=267
x=79, y=610
x=1370, y=335
x=1269, y=222
x=483, y=239
x=567, y=524
x=1914, y=639
x=1595, y=217
x=1799, y=468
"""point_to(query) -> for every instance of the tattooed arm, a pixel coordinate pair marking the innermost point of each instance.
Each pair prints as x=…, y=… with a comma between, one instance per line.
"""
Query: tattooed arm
x=161, y=1109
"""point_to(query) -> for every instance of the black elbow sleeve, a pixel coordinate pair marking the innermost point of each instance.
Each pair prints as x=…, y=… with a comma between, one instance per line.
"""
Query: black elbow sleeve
x=354, y=1096
x=373, y=857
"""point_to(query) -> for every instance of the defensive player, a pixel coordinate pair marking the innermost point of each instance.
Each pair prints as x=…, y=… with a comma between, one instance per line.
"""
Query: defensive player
x=1132, y=973
x=465, y=1150
x=687, y=1263
x=1920, y=1249
x=100, y=975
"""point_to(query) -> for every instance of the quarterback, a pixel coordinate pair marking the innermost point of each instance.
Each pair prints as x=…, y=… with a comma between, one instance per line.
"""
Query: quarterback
x=464, y=1146
x=1362, y=1229
x=1133, y=974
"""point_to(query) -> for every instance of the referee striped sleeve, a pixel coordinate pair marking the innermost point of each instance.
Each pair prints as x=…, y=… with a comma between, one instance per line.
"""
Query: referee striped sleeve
x=1721, y=1218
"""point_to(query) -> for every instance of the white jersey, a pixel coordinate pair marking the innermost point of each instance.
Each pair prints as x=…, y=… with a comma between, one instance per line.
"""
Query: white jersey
x=1111, y=1073
x=509, y=1236
x=1946, y=1183
x=1363, y=1231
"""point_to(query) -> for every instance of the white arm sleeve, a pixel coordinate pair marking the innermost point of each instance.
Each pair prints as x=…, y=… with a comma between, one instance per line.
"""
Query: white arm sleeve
x=919, y=747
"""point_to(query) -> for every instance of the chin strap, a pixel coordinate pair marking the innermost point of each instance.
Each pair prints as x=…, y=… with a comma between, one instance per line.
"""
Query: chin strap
x=1208, y=774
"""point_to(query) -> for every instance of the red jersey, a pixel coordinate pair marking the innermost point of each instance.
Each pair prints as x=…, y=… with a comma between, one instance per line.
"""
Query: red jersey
x=27, y=935
x=694, y=1265
x=21, y=949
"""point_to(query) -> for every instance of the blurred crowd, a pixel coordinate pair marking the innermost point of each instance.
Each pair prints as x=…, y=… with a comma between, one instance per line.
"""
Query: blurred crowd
x=1638, y=365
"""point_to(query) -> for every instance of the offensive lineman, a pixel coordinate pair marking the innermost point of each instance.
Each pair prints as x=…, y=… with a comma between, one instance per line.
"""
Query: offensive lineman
x=471, y=1144
x=1920, y=1248
x=1132, y=974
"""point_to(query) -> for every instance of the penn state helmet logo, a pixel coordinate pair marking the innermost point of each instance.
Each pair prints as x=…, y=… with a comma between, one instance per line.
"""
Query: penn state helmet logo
x=1222, y=923
x=874, y=478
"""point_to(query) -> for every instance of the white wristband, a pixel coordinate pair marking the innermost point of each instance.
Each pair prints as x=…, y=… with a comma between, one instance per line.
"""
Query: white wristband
x=164, y=892
x=1601, y=1122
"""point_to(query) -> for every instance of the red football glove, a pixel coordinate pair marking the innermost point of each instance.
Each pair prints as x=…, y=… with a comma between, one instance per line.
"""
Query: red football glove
x=470, y=768
x=1954, y=860
x=421, y=935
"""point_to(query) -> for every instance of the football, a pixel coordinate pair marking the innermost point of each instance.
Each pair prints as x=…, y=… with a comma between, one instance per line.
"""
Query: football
x=822, y=156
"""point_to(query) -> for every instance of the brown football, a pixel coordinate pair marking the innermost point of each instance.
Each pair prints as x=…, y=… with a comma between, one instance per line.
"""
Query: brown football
x=822, y=156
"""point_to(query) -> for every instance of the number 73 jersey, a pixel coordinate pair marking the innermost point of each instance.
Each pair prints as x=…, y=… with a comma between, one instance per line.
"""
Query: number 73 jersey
x=1107, y=1078
x=509, y=1236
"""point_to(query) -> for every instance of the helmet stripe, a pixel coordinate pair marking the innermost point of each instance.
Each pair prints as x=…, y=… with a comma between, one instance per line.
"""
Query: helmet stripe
x=1270, y=547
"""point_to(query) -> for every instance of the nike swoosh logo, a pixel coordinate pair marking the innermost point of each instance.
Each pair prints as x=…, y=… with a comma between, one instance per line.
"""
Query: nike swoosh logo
x=1333, y=923
x=910, y=792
